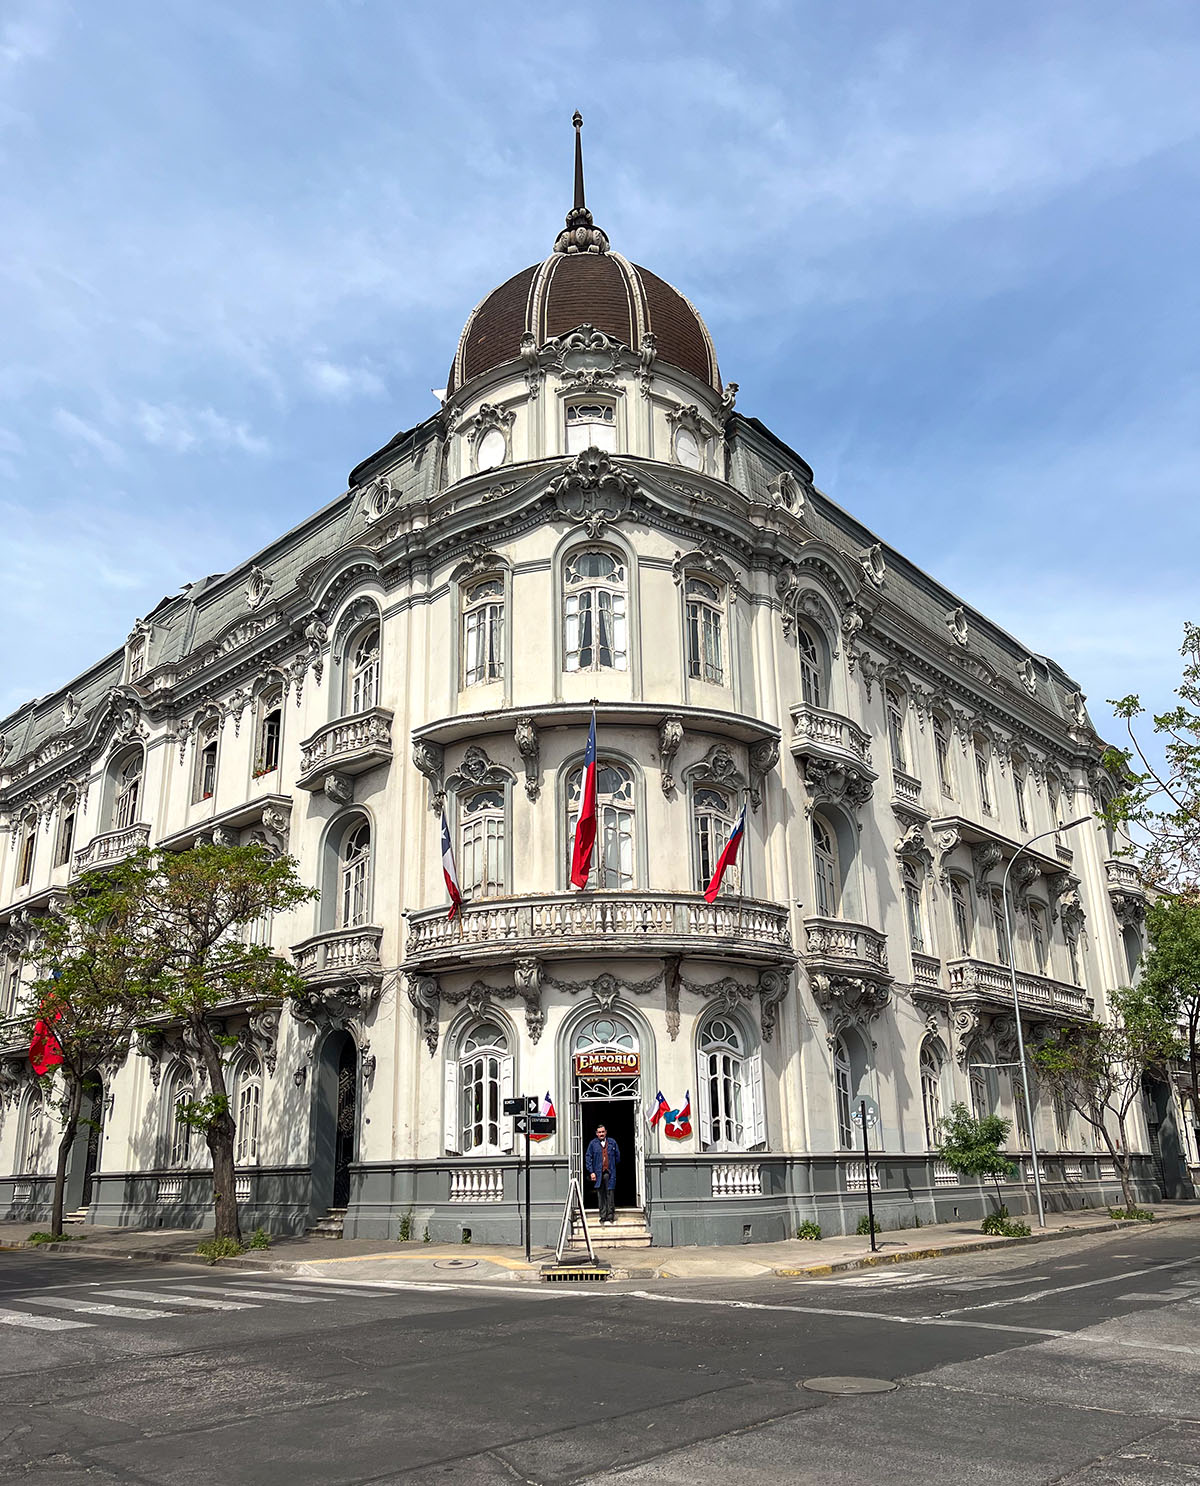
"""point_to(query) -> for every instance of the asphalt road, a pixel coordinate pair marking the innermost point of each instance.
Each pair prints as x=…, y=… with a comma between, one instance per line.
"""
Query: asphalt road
x=1074, y=1362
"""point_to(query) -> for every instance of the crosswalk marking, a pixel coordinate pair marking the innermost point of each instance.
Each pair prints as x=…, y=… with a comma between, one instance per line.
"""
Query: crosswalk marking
x=239, y=1293
x=170, y=1298
x=40, y=1323
x=98, y=1308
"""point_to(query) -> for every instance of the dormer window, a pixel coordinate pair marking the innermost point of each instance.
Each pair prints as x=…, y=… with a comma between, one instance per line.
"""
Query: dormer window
x=137, y=659
x=591, y=425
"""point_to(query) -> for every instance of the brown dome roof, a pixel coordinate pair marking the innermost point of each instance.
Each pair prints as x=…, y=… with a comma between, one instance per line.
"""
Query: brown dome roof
x=584, y=283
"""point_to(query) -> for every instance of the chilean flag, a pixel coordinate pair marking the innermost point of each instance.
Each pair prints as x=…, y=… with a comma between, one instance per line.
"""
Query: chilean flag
x=679, y=1121
x=449, y=871
x=728, y=857
x=585, y=829
x=661, y=1108
x=44, y=1050
x=548, y=1110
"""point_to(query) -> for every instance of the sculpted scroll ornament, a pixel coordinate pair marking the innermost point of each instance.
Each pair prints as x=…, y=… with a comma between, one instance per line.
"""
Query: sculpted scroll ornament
x=593, y=491
x=764, y=756
x=835, y=783
x=670, y=738
x=530, y=750
x=430, y=760
x=849, y=1001
x=986, y=855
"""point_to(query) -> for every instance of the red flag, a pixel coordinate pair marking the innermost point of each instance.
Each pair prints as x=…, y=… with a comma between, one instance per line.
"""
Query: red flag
x=449, y=871
x=44, y=1050
x=728, y=857
x=585, y=828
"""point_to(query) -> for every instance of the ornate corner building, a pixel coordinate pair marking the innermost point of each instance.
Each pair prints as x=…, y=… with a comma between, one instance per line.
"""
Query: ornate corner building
x=585, y=521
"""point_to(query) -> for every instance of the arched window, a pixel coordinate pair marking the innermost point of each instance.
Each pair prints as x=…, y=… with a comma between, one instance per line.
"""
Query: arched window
x=1000, y=927
x=1054, y=800
x=982, y=1082
x=1020, y=776
x=812, y=667
x=478, y=1080
x=712, y=821
x=614, y=857
x=964, y=917
x=591, y=425
x=729, y=1089
x=27, y=849
x=65, y=841
x=248, y=1112
x=31, y=1134
x=1020, y=1113
x=932, y=1064
x=1071, y=935
x=1062, y=1121
x=127, y=789
x=849, y=1071
x=1039, y=944
x=894, y=704
x=204, y=783
x=181, y=1138
x=704, y=609
x=270, y=732
x=481, y=856
x=913, y=908
x=826, y=873
x=354, y=896
x=983, y=773
x=10, y=983
x=362, y=672
x=1132, y=942
x=483, y=631
x=595, y=612
x=137, y=658
x=604, y=1031
x=941, y=749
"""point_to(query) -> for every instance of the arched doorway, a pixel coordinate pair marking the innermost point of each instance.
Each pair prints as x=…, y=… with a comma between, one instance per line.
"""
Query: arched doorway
x=606, y=1090
x=85, y=1150
x=334, y=1121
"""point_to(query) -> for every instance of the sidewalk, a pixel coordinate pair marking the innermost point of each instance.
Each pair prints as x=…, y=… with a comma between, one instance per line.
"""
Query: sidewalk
x=376, y=1260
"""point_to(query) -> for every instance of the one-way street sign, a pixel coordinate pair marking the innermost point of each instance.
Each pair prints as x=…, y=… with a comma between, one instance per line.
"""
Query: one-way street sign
x=535, y=1124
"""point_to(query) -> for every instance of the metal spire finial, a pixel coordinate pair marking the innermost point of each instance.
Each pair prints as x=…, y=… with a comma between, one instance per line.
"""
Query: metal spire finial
x=580, y=235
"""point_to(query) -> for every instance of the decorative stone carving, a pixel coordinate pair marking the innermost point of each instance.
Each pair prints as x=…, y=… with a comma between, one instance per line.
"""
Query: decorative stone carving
x=593, y=491
x=647, y=354
x=152, y=1046
x=378, y=498
x=944, y=842
x=530, y=750
x=258, y=585
x=873, y=565
x=277, y=822
x=834, y=783
x=764, y=756
x=490, y=417
x=773, y=986
x=786, y=491
x=911, y=846
x=670, y=737
x=366, y=1061
x=478, y=772
x=527, y=976
x=718, y=766
x=528, y=352
x=425, y=995
x=430, y=759
x=1129, y=908
x=605, y=988
x=728, y=401
x=704, y=559
x=1027, y=671
x=335, y=1008
x=338, y=787
x=1023, y=876
x=985, y=855
x=956, y=623
x=224, y=836
x=966, y=1022
x=672, y=972
x=849, y=1000
x=70, y=710
x=263, y=1036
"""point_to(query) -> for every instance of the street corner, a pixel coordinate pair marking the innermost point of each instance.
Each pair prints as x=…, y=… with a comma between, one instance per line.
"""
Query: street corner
x=437, y=1268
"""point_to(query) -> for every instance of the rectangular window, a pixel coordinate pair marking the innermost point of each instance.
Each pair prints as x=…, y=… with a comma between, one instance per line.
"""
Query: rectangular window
x=1003, y=949
x=1037, y=938
x=703, y=609
x=1022, y=810
x=483, y=632
x=268, y=749
x=66, y=839
x=895, y=726
x=25, y=865
x=941, y=747
x=960, y=903
x=983, y=773
x=481, y=844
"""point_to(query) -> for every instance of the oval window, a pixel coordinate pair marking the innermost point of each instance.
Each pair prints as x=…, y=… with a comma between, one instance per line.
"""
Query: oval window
x=493, y=448
x=687, y=449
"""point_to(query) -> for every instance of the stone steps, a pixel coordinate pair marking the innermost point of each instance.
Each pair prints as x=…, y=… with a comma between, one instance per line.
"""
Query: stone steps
x=628, y=1232
x=331, y=1225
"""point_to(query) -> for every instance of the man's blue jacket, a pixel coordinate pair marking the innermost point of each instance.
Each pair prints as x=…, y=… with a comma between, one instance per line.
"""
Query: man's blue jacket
x=594, y=1160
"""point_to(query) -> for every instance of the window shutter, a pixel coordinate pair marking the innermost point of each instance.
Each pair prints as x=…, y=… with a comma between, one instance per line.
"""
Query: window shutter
x=451, y=1115
x=757, y=1123
x=506, y=1092
x=703, y=1105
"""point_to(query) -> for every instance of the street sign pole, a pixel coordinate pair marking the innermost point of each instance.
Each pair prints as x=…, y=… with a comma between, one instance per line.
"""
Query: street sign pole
x=528, y=1236
x=862, y=1107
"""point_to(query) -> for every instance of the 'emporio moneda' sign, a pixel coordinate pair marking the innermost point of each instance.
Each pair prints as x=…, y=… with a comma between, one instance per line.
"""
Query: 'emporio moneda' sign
x=607, y=1063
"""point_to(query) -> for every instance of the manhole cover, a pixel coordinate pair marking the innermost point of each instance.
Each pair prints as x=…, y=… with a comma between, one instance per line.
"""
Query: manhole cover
x=848, y=1385
x=455, y=1263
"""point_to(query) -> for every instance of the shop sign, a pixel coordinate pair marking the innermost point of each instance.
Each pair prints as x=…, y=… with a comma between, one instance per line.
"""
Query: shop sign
x=607, y=1062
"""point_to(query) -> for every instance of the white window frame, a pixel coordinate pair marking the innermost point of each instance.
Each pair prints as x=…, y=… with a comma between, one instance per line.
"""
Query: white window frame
x=1004, y=948
x=896, y=711
x=983, y=774
x=482, y=629
x=590, y=423
x=489, y=1062
x=729, y=1088
x=714, y=811
x=204, y=782
x=249, y=1113
x=812, y=667
x=363, y=668
x=595, y=606
x=827, y=882
x=64, y=839
x=271, y=706
x=354, y=875
x=914, y=907
x=27, y=851
x=614, y=861
x=704, y=618
x=843, y=1076
x=962, y=913
x=932, y=1066
x=127, y=791
x=943, y=754
x=483, y=842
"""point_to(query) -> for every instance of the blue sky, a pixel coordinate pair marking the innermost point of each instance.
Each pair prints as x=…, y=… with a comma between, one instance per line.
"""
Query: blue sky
x=948, y=251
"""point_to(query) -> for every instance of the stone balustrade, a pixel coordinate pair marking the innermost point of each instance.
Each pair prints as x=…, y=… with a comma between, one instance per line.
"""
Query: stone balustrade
x=856, y=1175
x=169, y=1189
x=1123, y=874
x=348, y=745
x=477, y=1184
x=944, y=1175
x=906, y=790
x=339, y=950
x=836, y=944
x=653, y=922
x=111, y=847
x=927, y=970
x=994, y=983
x=737, y=1179
x=829, y=730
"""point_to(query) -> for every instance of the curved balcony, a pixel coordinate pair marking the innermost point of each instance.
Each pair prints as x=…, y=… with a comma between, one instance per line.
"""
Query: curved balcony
x=599, y=923
x=339, y=952
x=993, y=983
x=1124, y=876
x=113, y=846
x=835, y=947
x=348, y=745
x=816, y=730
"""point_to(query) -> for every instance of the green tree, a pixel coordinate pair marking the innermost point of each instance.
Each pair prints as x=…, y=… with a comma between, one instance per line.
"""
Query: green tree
x=1170, y=976
x=1098, y=1067
x=1158, y=809
x=194, y=908
x=88, y=992
x=972, y=1146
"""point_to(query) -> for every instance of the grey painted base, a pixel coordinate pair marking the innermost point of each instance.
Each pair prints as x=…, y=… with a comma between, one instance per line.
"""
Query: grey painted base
x=690, y=1200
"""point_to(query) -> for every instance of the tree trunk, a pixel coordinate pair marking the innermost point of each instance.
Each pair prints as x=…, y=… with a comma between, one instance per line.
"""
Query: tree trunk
x=1122, y=1163
x=1194, y=1061
x=66, y=1141
x=220, y=1135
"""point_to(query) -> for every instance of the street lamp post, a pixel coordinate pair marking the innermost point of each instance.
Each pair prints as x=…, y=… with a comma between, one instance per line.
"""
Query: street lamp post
x=1012, y=966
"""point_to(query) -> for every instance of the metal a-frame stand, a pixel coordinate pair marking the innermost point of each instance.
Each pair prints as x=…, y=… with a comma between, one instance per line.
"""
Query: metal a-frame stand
x=573, y=1205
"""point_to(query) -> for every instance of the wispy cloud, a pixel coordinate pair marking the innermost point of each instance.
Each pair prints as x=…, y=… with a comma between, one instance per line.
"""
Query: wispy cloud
x=85, y=434
x=339, y=383
x=183, y=430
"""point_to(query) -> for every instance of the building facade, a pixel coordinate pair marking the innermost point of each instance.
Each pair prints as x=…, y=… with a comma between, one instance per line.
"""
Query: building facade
x=585, y=523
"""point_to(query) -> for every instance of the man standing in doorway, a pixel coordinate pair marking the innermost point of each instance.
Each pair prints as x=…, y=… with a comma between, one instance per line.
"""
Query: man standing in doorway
x=600, y=1163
